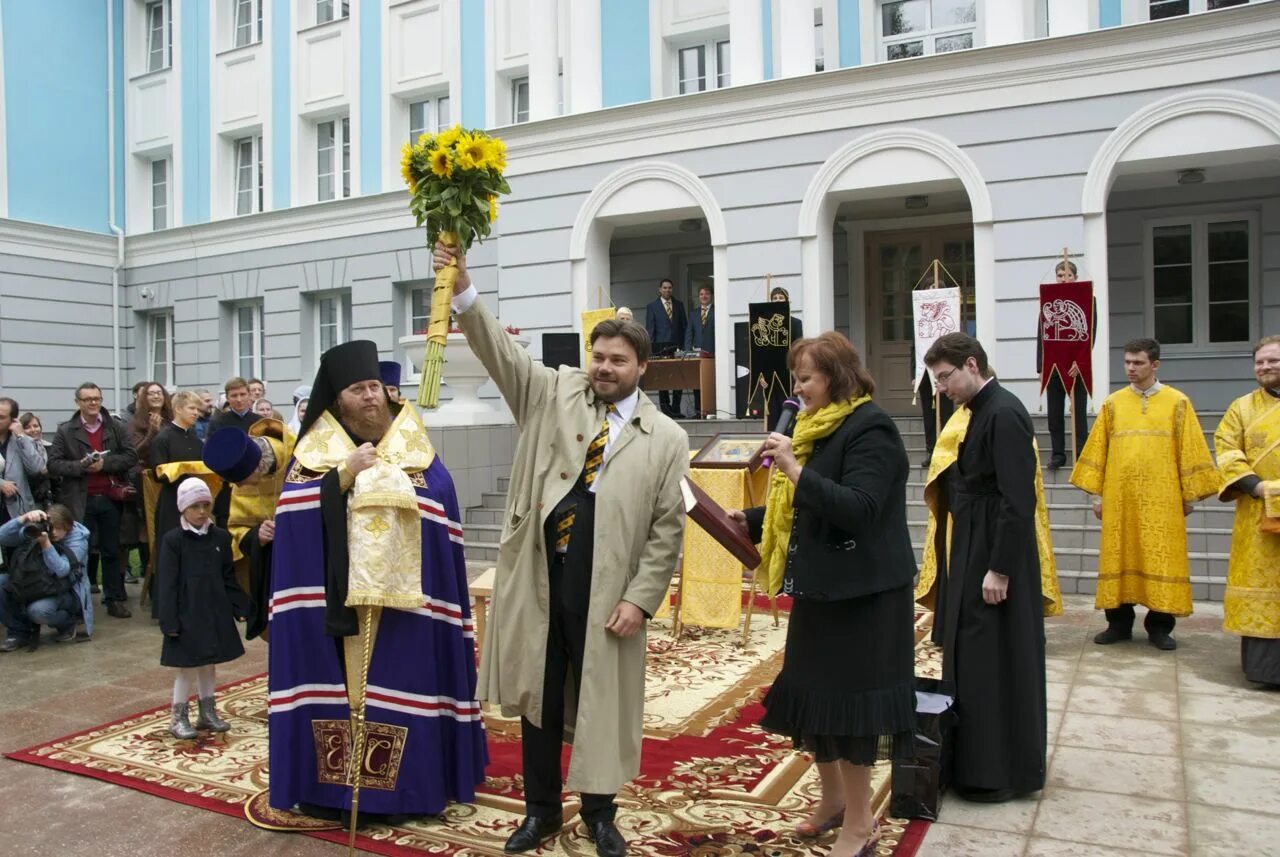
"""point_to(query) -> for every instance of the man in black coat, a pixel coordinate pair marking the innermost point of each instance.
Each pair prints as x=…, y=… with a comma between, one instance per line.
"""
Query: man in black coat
x=665, y=320
x=700, y=335
x=993, y=630
x=87, y=451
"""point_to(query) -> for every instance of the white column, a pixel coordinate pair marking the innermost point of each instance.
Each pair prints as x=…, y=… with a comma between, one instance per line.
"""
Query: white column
x=582, y=58
x=1067, y=17
x=746, y=42
x=544, y=59
x=1006, y=21
x=795, y=37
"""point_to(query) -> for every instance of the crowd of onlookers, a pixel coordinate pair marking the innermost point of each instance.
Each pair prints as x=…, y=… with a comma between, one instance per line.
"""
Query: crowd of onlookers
x=73, y=523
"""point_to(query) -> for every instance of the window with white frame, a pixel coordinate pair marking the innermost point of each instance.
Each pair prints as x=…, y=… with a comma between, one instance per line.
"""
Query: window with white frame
x=333, y=320
x=331, y=10
x=247, y=26
x=419, y=309
x=819, y=57
x=1201, y=281
x=519, y=100
x=702, y=67
x=1158, y=9
x=913, y=28
x=248, y=188
x=428, y=116
x=160, y=194
x=333, y=159
x=159, y=35
x=248, y=338
x=160, y=347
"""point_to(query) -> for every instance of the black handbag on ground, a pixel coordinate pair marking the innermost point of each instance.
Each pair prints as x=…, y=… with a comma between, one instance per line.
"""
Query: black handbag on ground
x=29, y=578
x=918, y=784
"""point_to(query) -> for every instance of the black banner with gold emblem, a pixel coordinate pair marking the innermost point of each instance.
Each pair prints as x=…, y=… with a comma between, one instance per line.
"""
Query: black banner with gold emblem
x=769, y=338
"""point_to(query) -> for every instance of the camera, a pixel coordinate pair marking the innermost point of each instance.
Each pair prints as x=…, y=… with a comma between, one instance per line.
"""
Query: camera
x=91, y=457
x=35, y=530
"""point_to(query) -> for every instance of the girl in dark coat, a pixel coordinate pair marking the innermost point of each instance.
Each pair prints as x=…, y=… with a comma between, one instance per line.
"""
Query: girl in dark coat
x=199, y=602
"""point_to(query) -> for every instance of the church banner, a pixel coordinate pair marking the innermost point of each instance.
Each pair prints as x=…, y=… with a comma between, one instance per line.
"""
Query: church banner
x=1066, y=334
x=769, y=342
x=935, y=313
x=590, y=319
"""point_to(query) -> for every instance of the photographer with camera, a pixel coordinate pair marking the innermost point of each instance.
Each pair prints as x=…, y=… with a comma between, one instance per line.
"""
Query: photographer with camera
x=45, y=583
x=92, y=456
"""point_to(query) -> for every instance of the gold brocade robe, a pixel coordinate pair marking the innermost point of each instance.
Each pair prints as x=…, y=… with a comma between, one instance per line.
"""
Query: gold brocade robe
x=945, y=453
x=1248, y=444
x=255, y=503
x=1145, y=457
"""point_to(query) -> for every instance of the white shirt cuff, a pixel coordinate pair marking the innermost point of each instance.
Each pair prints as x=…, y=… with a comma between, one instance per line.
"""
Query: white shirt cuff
x=463, y=302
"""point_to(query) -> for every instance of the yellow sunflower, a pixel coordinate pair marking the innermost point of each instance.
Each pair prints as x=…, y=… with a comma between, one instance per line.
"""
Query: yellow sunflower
x=406, y=167
x=496, y=156
x=473, y=152
x=493, y=208
x=441, y=163
x=447, y=138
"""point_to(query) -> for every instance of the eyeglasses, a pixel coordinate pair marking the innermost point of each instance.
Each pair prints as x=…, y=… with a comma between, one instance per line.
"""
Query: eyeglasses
x=943, y=377
x=90, y=400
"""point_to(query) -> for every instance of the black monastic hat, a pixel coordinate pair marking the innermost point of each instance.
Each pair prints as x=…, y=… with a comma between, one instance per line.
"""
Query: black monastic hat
x=340, y=367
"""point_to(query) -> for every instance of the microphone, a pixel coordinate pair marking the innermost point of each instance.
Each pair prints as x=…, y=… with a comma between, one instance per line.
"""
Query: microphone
x=786, y=424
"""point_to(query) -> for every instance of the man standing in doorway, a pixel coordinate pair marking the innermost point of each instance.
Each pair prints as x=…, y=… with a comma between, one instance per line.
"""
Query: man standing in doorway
x=993, y=649
x=665, y=323
x=594, y=519
x=701, y=335
x=1145, y=463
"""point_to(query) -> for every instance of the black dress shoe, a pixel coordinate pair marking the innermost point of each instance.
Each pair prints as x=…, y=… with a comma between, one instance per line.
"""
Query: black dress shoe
x=118, y=610
x=1057, y=462
x=1163, y=642
x=609, y=842
x=1111, y=635
x=532, y=831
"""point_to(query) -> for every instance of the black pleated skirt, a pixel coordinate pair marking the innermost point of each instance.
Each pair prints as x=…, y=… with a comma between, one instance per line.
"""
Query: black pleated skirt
x=847, y=687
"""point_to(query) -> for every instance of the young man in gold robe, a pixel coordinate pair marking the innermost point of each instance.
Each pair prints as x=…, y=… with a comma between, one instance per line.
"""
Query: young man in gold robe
x=1248, y=447
x=1145, y=463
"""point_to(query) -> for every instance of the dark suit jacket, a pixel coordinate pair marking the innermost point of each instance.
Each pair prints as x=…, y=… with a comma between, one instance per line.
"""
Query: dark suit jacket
x=699, y=335
x=663, y=330
x=71, y=445
x=849, y=537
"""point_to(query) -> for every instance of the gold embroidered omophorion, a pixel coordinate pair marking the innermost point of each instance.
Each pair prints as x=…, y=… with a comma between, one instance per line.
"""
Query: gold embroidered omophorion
x=945, y=453
x=1146, y=457
x=1247, y=443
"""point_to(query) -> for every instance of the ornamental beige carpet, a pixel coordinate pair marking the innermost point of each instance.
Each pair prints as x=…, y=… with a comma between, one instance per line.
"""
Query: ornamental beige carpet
x=712, y=782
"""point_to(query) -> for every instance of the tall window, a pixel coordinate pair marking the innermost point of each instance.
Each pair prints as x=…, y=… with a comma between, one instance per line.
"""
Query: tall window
x=333, y=320
x=702, y=67
x=333, y=158
x=160, y=348
x=912, y=28
x=249, y=341
x=519, y=100
x=328, y=10
x=160, y=194
x=248, y=22
x=1202, y=275
x=248, y=175
x=159, y=35
x=1158, y=9
x=419, y=309
x=819, y=58
x=429, y=116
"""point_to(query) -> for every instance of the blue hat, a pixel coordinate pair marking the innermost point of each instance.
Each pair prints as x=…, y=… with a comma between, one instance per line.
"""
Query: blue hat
x=389, y=373
x=232, y=454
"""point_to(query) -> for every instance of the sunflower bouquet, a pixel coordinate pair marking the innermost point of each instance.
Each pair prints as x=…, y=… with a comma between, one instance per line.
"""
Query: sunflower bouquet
x=454, y=180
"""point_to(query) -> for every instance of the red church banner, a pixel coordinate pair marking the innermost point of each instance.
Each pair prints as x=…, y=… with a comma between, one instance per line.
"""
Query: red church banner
x=1066, y=334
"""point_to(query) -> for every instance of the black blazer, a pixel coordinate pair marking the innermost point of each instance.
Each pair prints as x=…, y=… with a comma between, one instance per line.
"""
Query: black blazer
x=699, y=335
x=849, y=537
x=663, y=330
x=71, y=445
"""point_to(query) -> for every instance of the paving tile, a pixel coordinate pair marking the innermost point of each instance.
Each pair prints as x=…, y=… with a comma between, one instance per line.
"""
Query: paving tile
x=1217, y=679
x=1219, y=832
x=1095, y=818
x=949, y=840
x=1058, y=669
x=1254, y=714
x=1238, y=746
x=1057, y=693
x=1053, y=724
x=1138, y=674
x=1123, y=702
x=1115, y=772
x=1013, y=816
x=1039, y=846
x=1122, y=734
x=1234, y=786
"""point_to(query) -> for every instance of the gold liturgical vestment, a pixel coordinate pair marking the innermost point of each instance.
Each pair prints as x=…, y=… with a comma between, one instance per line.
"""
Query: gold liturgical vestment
x=253, y=503
x=711, y=579
x=1248, y=444
x=1146, y=456
x=945, y=453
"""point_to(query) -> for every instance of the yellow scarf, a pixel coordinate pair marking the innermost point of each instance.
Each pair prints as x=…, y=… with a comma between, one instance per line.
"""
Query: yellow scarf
x=779, y=513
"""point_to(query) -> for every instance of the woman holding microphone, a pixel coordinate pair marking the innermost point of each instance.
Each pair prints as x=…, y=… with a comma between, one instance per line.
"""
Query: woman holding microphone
x=834, y=536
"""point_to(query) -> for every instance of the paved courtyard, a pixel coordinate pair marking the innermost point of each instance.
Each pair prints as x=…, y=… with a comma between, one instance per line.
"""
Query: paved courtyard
x=1150, y=753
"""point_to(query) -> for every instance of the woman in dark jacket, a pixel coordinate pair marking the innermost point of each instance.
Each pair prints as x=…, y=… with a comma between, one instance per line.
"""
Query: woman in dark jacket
x=177, y=441
x=199, y=603
x=151, y=414
x=834, y=537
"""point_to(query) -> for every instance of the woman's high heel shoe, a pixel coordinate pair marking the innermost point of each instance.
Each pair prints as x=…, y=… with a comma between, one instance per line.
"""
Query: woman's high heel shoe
x=809, y=830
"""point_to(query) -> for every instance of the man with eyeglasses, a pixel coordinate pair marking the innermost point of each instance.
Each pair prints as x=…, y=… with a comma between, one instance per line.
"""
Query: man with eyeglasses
x=87, y=451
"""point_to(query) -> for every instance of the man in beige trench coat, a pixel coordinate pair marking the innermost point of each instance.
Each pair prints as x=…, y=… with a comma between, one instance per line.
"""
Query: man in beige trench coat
x=593, y=526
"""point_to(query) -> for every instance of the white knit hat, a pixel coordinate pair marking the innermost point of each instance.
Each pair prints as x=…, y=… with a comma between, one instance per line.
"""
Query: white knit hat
x=193, y=491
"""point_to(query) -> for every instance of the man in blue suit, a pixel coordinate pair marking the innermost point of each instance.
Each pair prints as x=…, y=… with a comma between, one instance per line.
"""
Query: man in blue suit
x=701, y=334
x=666, y=322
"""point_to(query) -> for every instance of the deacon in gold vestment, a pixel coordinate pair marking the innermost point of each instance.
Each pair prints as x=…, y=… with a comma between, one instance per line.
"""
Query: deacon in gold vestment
x=1147, y=460
x=931, y=588
x=1248, y=446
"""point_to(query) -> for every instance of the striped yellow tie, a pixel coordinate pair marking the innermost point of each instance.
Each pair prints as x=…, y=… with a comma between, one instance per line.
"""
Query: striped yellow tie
x=595, y=460
x=704, y=315
x=668, y=308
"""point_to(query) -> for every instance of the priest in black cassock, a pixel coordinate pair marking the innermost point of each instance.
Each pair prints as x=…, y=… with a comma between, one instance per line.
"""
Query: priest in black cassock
x=993, y=627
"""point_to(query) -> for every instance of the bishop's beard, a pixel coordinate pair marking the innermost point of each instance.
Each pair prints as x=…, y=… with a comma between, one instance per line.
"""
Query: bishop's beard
x=367, y=424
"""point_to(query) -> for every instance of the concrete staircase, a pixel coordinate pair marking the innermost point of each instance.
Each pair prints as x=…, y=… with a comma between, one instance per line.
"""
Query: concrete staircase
x=1076, y=533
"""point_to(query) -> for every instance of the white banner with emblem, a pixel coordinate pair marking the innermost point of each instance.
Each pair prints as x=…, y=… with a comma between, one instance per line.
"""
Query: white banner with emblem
x=935, y=313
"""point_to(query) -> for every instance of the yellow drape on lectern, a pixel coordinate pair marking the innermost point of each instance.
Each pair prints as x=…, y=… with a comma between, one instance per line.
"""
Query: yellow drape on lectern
x=711, y=580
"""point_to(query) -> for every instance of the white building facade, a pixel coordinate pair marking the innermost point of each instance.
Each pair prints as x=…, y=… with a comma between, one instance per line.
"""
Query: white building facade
x=238, y=209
